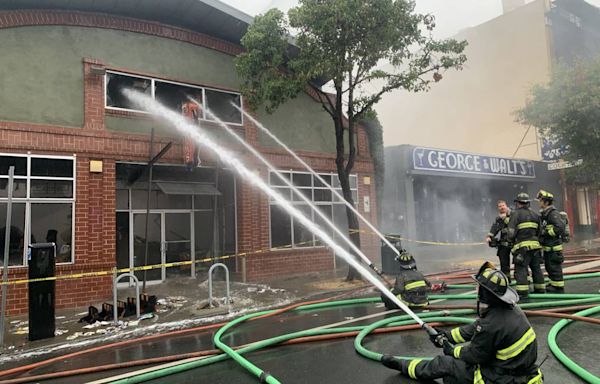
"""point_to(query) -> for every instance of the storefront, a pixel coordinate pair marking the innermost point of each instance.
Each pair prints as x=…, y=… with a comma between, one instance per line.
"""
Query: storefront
x=81, y=151
x=451, y=196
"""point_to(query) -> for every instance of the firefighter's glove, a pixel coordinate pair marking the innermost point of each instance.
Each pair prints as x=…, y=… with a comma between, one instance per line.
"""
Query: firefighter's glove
x=391, y=362
x=438, y=340
x=448, y=348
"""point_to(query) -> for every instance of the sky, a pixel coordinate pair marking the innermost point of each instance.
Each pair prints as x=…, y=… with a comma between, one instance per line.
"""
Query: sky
x=451, y=15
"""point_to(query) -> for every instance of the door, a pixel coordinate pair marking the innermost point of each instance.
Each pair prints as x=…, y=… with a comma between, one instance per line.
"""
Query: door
x=155, y=248
x=178, y=242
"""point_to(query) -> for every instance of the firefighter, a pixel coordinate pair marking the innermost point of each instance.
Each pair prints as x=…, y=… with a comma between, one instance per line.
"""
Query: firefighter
x=500, y=226
x=411, y=286
x=553, y=230
x=502, y=348
x=524, y=232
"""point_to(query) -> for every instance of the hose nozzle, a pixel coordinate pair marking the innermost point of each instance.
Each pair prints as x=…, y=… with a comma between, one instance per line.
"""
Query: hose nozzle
x=430, y=330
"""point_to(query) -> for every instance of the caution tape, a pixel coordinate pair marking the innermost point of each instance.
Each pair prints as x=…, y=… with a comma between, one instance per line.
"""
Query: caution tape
x=416, y=241
x=114, y=271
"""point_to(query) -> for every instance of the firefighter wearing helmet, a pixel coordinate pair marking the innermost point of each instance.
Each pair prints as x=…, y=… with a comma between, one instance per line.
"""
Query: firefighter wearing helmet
x=524, y=233
x=411, y=286
x=502, y=346
x=552, y=233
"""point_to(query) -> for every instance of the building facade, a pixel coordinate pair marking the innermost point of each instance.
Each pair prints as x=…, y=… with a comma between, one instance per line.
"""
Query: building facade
x=448, y=196
x=80, y=149
x=473, y=110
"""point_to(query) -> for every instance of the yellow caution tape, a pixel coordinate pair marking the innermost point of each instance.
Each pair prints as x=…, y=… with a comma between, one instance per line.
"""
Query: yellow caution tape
x=209, y=259
x=146, y=267
x=417, y=241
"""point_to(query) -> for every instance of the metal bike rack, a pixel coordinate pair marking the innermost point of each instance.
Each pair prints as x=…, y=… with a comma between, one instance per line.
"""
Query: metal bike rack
x=210, y=287
x=137, y=294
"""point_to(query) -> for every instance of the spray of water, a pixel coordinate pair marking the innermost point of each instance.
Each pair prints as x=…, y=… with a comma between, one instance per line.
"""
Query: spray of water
x=200, y=137
x=287, y=182
x=309, y=168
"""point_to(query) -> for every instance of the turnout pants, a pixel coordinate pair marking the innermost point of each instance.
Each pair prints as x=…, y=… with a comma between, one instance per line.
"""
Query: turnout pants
x=553, y=261
x=504, y=256
x=524, y=260
x=454, y=371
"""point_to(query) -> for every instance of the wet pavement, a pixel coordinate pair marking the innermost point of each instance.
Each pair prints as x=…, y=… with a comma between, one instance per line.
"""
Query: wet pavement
x=330, y=361
x=321, y=362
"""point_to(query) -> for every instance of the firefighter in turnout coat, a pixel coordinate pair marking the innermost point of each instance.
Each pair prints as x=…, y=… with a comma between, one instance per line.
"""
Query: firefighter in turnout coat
x=501, y=349
x=411, y=286
x=524, y=234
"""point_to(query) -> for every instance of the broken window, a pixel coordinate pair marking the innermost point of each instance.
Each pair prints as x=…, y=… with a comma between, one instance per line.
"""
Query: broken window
x=116, y=83
x=174, y=96
x=220, y=103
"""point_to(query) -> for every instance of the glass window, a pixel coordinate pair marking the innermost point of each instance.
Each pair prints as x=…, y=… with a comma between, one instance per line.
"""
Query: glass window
x=219, y=103
x=122, y=198
x=19, y=188
x=276, y=181
x=17, y=233
x=281, y=227
x=115, y=83
x=327, y=211
x=203, y=235
x=51, y=189
x=285, y=192
x=318, y=183
x=303, y=237
x=323, y=194
x=20, y=164
x=304, y=191
x=318, y=194
x=47, y=221
x=122, y=235
x=52, y=223
x=302, y=180
x=51, y=167
x=174, y=96
x=203, y=202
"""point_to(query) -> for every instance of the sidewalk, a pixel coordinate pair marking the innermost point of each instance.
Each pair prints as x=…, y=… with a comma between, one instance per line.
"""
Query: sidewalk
x=181, y=304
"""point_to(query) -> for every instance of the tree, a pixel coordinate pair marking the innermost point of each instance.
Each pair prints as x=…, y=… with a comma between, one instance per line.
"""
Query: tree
x=567, y=110
x=366, y=48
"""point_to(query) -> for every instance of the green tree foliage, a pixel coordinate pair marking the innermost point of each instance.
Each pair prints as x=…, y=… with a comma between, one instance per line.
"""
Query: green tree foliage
x=568, y=110
x=366, y=48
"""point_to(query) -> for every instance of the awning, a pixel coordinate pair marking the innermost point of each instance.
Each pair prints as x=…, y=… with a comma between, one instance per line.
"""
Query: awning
x=169, y=188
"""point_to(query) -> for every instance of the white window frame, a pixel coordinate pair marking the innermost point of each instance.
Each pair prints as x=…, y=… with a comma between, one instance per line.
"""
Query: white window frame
x=28, y=200
x=153, y=81
x=295, y=201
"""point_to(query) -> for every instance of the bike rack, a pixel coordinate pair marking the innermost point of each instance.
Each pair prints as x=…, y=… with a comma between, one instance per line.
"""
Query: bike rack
x=210, y=287
x=137, y=294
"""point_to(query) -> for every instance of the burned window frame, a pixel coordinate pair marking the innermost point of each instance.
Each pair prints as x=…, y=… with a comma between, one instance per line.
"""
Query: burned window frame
x=155, y=80
x=279, y=186
x=28, y=200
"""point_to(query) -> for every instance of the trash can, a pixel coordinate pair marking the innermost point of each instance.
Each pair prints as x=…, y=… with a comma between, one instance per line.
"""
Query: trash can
x=42, y=264
x=389, y=265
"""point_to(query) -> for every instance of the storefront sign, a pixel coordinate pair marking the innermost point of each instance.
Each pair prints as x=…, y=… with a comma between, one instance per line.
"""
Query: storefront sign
x=563, y=164
x=461, y=162
x=552, y=149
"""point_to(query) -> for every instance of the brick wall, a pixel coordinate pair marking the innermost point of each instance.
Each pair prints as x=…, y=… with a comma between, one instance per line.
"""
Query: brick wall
x=94, y=241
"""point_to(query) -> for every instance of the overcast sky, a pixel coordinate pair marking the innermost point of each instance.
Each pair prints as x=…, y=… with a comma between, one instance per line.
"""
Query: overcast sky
x=451, y=15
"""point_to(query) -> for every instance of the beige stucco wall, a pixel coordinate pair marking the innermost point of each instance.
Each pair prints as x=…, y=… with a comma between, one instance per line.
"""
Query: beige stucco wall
x=472, y=110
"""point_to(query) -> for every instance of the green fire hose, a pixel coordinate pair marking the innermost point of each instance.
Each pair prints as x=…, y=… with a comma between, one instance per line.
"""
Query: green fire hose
x=396, y=321
x=570, y=364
